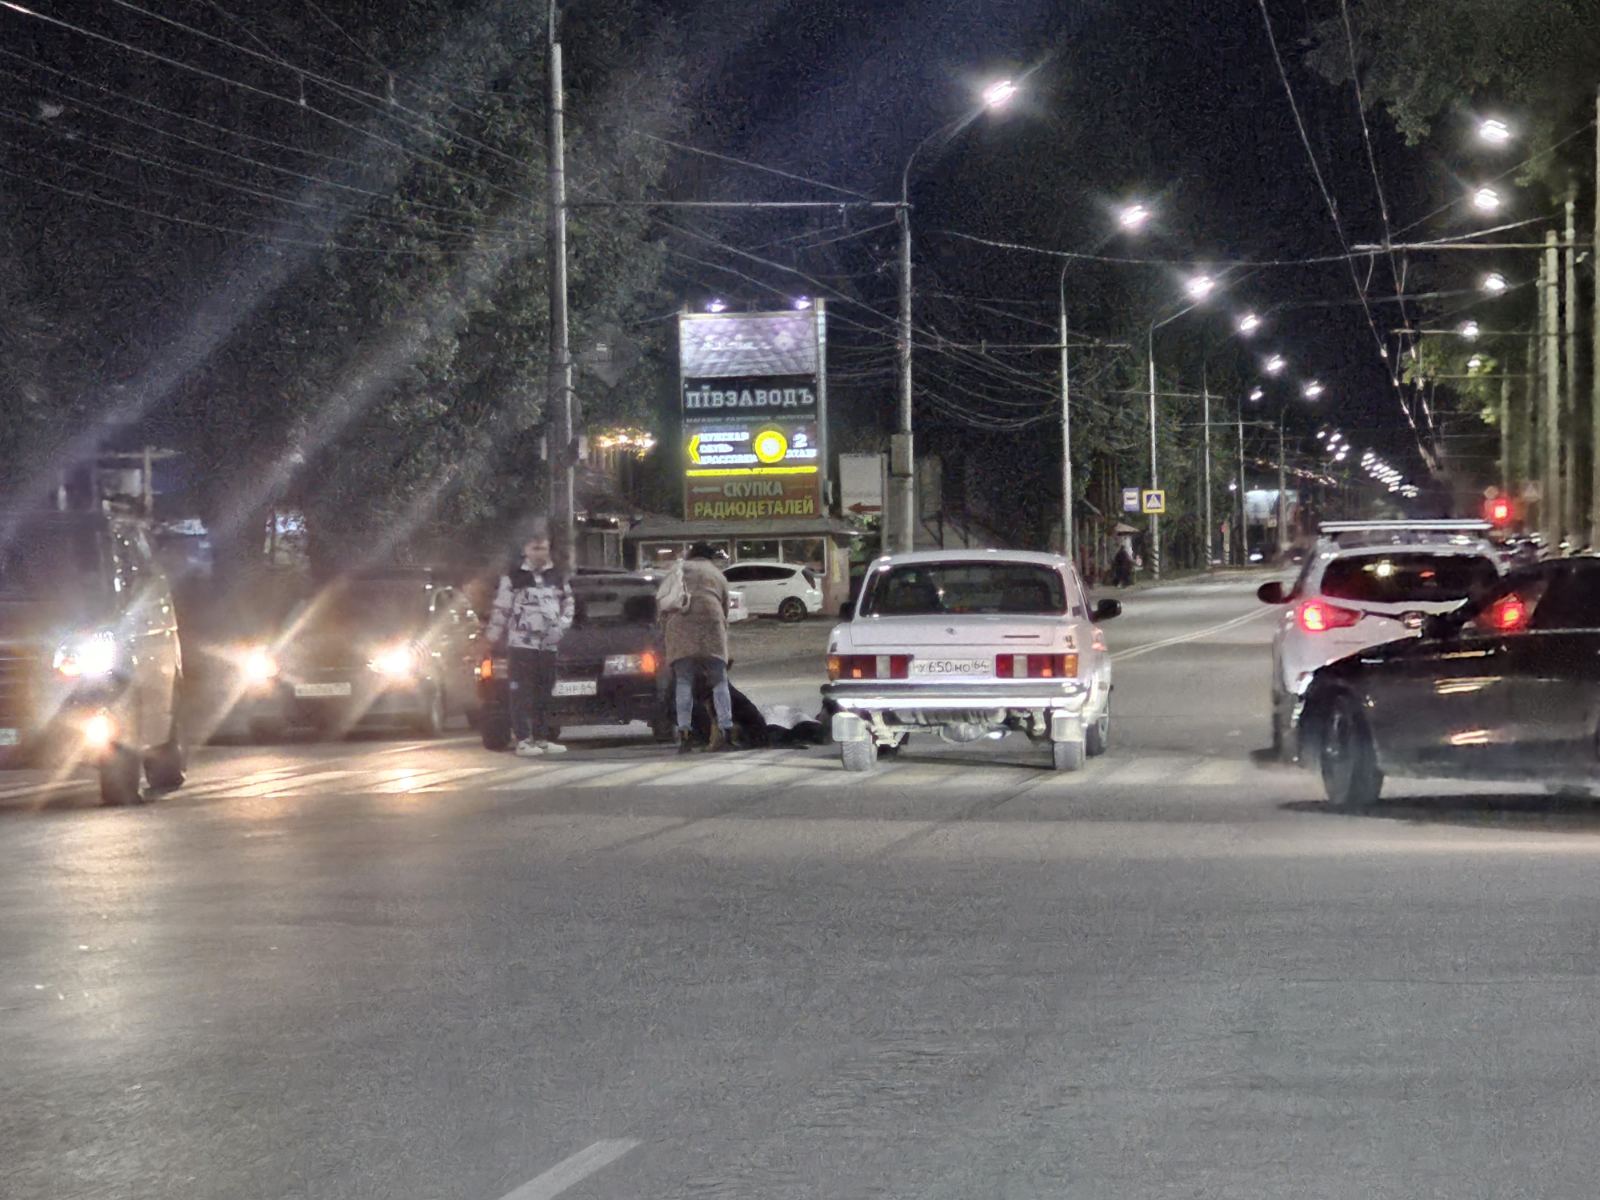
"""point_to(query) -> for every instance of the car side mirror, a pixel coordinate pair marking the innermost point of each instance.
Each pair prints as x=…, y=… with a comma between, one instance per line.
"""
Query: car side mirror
x=1107, y=610
x=1273, y=593
x=847, y=610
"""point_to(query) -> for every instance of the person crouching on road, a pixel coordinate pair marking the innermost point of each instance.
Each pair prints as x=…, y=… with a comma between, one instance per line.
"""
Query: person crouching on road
x=532, y=610
x=697, y=644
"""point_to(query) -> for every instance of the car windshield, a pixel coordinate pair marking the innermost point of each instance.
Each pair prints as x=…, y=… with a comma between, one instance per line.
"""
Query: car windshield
x=379, y=606
x=926, y=589
x=1391, y=578
x=50, y=561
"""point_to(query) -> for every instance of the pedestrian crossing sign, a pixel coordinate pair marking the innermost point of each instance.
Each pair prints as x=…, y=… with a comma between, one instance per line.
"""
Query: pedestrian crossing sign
x=1155, y=502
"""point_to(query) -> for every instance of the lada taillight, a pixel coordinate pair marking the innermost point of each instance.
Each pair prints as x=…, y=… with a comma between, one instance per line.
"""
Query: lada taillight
x=1036, y=666
x=869, y=666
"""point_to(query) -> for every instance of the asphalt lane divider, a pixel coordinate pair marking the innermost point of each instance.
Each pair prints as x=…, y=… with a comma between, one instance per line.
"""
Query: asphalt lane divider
x=1180, y=639
x=572, y=1170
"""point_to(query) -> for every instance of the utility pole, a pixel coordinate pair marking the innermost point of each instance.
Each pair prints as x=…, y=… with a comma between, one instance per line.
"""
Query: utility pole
x=1244, y=511
x=1507, y=438
x=1571, y=518
x=1205, y=395
x=1283, y=491
x=1155, y=465
x=561, y=442
x=902, y=524
x=1066, y=429
x=1550, y=508
x=1527, y=462
x=1594, y=414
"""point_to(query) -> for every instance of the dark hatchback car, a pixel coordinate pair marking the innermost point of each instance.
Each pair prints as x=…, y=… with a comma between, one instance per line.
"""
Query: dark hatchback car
x=1505, y=689
x=90, y=664
x=394, y=648
x=609, y=670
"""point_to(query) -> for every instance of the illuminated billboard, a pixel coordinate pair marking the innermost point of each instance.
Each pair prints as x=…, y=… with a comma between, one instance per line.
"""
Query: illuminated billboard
x=754, y=403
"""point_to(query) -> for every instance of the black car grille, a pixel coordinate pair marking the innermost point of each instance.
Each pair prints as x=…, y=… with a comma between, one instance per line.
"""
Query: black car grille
x=21, y=669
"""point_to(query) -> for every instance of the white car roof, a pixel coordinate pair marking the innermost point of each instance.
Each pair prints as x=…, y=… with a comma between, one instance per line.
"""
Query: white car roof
x=1030, y=557
x=764, y=562
x=1455, y=545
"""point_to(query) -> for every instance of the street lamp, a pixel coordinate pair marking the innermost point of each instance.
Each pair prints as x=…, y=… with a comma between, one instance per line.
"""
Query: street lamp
x=1475, y=363
x=716, y=306
x=1133, y=217
x=1248, y=324
x=1469, y=330
x=1198, y=287
x=1485, y=199
x=1495, y=283
x=1494, y=131
x=1275, y=365
x=1312, y=390
x=900, y=528
x=1256, y=394
x=802, y=302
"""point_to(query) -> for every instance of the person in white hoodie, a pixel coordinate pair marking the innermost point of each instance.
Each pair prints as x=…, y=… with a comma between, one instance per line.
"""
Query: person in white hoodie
x=532, y=611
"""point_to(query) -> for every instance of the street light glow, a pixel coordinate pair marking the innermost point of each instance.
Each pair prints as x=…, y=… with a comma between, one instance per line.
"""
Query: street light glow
x=1486, y=199
x=1249, y=323
x=1494, y=131
x=716, y=306
x=1495, y=283
x=1275, y=365
x=1313, y=390
x=1256, y=394
x=1475, y=363
x=802, y=302
x=1199, y=287
x=1133, y=217
x=1469, y=330
x=999, y=93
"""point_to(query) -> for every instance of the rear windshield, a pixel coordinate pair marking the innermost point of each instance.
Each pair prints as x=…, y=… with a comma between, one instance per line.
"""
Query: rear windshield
x=607, y=605
x=926, y=589
x=1399, y=578
x=53, y=561
x=372, y=605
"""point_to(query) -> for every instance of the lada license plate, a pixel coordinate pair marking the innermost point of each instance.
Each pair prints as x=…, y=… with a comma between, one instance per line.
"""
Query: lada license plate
x=951, y=666
x=318, y=691
x=576, y=687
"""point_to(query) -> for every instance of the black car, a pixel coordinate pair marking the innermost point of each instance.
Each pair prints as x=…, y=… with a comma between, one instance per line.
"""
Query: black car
x=609, y=670
x=90, y=664
x=1506, y=689
x=394, y=648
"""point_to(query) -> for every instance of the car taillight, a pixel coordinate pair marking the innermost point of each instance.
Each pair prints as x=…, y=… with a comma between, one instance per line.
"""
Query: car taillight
x=869, y=666
x=486, y=669
x=647, y=663
x=1036, y=666
x=1316, y=617
x=1509, y=614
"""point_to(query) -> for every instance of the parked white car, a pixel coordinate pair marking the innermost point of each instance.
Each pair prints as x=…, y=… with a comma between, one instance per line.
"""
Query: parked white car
x=737, y=611
x=1366, y=583
x=788, y=591
x=971, y=644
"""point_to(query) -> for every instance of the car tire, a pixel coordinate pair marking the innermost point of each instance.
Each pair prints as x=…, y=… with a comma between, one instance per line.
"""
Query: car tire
x=120, y=776
x=430, y=724
x=1348, y=759
x=1097, y=734
x=858, y=756
x=1068, y=756
x=792, y=609
x=164, y=766
x=495, y=731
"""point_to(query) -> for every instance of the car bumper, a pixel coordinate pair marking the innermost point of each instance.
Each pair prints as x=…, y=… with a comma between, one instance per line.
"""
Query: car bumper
x=60, y=738
x=1054, y=709
x=616, y=701
x=373, y=701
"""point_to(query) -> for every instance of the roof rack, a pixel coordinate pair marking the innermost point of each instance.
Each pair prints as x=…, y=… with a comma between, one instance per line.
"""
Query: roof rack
x=1454, y=525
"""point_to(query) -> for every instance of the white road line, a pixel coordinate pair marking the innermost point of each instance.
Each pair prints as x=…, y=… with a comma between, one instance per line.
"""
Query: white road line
x=1196, y=636
x=572, y=1170
x=711, y=772
x=624, y=776
x=44, y=787
x=211, y=787
x=281, y=787
x=416, y=781
x=541, y=777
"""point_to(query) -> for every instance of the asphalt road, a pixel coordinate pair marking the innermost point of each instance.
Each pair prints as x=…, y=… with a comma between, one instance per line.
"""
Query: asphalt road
x=403, y=970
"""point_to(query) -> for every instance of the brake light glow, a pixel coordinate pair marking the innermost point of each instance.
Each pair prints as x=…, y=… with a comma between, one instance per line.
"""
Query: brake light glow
x=1317, y=617
x=1036, y=666
x=869, y=666
x=486, y=669
x=1509, y=614
x=647, y=663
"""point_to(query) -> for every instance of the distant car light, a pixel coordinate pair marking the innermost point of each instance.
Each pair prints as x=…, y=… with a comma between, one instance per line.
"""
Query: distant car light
x=395, y=662
x=99, y=732
x=92, y=657
x=258, y=666
x=1509, y=614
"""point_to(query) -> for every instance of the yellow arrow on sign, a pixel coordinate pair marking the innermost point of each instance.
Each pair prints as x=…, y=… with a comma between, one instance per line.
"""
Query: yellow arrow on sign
x=694, y=448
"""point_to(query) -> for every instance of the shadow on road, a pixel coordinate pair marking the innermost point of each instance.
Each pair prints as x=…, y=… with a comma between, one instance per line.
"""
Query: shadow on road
x=1561, y=811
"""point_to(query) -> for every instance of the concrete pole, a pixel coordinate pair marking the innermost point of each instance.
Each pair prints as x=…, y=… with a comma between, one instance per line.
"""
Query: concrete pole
x=1155, y=464
x=1550, y=509
x=1571, y=519
x=1507, y=438
x=1066, y=429
x=1594, y=366
x=1244, y=511
x=1283, y=495
x=901, y=530
x=1527, y=444
x=561, y=455
x=1205, y=393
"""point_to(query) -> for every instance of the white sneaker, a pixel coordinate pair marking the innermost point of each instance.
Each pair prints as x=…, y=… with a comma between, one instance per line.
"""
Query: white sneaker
x=552, y=747
x=528, y=749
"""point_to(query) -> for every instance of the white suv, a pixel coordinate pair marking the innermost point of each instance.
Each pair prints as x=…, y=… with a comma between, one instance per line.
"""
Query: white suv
x=788, y=591
x=970, y=644
x=1364, y=584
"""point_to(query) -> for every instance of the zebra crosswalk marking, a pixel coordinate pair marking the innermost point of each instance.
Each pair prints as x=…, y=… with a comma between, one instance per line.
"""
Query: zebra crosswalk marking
x=413, y=781
x=282, y=787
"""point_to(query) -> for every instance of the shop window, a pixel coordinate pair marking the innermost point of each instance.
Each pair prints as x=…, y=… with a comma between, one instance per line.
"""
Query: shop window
x=745, y=551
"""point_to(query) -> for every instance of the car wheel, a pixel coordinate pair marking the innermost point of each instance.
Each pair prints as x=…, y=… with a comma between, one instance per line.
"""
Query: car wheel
x=1097, y=736
x=792, y=609
x=1350, y=775
x=495, y=730
x=164, y=766
x=120, y=776
x=858, y=756
x=1068, y=756
x=431, y=723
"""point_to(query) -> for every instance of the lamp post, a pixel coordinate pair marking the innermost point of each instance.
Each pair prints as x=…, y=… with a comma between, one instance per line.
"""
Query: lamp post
x=1197, y=287
x=900, y=531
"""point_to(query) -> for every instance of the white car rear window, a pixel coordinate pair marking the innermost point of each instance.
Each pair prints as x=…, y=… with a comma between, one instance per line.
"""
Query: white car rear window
x=926, y=589
x=1401, y=578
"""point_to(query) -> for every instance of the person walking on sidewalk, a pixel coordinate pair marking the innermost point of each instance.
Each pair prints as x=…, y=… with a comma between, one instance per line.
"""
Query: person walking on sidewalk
x=697, y=646
x=532, y=610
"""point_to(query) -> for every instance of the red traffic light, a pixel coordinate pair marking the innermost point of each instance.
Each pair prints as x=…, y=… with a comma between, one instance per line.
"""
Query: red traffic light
x=1498, y=511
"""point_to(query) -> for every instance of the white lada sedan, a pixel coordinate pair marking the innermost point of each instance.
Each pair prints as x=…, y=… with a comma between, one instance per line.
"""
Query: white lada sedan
x=970, y=644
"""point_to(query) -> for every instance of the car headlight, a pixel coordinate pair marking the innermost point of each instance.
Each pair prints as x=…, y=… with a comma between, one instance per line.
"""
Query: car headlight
x=395, y=662
x=92, y=657
x=631, y=664
x=258, y=666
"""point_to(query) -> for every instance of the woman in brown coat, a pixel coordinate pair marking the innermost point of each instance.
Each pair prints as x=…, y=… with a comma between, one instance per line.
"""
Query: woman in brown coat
x=697, y=643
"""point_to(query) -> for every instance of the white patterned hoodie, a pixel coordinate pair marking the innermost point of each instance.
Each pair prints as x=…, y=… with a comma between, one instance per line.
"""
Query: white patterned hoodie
x=532, y=609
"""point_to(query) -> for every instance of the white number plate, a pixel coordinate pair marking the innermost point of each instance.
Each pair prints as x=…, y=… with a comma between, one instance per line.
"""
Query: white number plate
x=576, y=687
x=316, y=691
x=10, y=737
x=952, y=666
